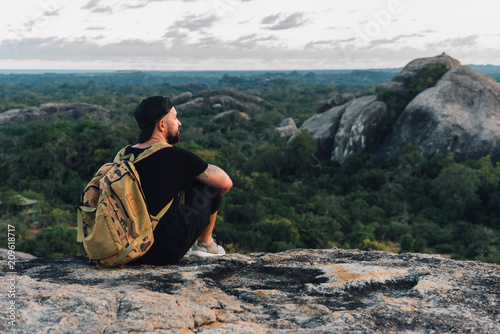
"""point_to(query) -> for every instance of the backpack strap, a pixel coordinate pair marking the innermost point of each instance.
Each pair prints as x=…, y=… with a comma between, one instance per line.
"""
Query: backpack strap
x=120, y=156
x=79, y=217
x=152, y=149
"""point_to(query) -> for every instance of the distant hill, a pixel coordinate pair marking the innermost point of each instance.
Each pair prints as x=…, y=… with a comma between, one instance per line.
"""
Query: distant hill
x=337, y=77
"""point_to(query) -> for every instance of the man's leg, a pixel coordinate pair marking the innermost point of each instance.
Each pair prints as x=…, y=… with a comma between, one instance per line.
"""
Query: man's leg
x=206, y=235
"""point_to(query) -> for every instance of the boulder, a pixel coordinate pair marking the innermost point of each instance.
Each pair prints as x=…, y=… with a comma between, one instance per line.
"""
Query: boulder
x=297, y=291
x=198, y=102
x=181, y=97
x=233, y=92
x=287, y=127
x=335, y=101
x=51, y=111
x=414, y=70
x=360, y=128
x=344, y=130
x=460, y=114
x=323, y=128
x=341, y=99
x=225, y=102
x=240, y=115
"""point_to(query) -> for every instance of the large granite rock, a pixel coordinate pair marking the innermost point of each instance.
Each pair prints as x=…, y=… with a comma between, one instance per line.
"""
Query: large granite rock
x=460, y=114
x=233, y=92
x=198, y=102
x=223, y=102
x=335, y=101
x=300, y=291
x=287, y=127
x=239, y=116
x=181, y=97
x=51, y=111
x=347, y=129
x=414, y=70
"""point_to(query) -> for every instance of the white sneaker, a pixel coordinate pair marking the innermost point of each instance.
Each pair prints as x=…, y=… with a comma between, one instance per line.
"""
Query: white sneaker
x=203, y=250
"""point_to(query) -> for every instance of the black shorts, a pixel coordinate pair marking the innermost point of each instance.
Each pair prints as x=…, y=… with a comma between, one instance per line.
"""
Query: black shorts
x=182, y=224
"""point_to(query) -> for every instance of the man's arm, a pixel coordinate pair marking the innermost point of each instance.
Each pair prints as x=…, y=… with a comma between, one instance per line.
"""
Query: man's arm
x=216, y=177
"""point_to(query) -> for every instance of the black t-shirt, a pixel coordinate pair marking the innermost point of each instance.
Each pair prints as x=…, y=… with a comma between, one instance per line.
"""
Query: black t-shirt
x=165, y=173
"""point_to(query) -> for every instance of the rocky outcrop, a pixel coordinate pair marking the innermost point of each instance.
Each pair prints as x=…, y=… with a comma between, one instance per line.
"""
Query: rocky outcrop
x=198, y=102
x=461, y=114
x=50, y=111
x=223, y=102
x=4, y=255
x=240, y=116
x=335, y=101
x=414, y=70
x=233, y=92
x=299, y=291
x=287, y=127
x=347, y=129
x=181, y=97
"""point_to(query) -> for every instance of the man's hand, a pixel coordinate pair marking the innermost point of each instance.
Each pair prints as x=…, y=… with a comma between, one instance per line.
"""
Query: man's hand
x=216, y=177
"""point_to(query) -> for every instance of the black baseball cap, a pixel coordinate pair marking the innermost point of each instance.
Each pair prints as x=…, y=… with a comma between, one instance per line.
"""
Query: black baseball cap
x=148, y=112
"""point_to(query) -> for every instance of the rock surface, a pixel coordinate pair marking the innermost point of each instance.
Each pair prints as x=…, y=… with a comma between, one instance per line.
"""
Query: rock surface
x=352, y=127
x=335, y=101
x=223, y=102
x=239, y=95
x=49, y=111
x=181, y=97
x=4, y=255
x=413, y=70
x=287, y=127
x=241, y=116
x=300, y=291
x=460, y=114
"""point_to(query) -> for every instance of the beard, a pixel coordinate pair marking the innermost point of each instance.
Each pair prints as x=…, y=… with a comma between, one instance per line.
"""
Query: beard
x=172, y=138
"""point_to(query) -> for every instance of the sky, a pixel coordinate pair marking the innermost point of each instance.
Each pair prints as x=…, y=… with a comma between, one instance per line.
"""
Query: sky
x=178, y=35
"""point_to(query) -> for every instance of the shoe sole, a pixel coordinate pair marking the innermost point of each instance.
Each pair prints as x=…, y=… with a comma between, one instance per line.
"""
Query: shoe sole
x=204, y=254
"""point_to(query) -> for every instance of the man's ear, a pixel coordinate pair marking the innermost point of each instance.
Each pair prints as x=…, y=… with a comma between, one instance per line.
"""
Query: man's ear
x=162, y=125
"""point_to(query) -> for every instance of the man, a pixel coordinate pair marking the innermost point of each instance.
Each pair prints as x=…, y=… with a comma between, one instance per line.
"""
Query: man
x=164, y=175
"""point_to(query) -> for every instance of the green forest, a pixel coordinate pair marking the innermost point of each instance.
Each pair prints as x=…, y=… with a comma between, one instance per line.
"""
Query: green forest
x=284, y=197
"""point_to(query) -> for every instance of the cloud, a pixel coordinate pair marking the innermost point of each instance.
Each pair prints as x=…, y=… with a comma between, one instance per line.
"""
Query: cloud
x=252, y=41
x=458, y=42
x=91, y=4
x=95, y=28
x=328, y=43
x=394, y=39
x=463, y=41
x=279, y=23
x=193, y=22
x=105, y=10
x=79, y=49
x=271, y=19
x=138, y=5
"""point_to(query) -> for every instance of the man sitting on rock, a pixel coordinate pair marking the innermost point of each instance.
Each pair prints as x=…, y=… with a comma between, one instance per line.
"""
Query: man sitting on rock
x=164, y=175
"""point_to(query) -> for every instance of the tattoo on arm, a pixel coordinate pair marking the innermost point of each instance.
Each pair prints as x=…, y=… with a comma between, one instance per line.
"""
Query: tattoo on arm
x=203, y=177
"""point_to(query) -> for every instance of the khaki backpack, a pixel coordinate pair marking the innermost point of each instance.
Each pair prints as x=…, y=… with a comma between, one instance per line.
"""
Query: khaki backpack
x=113, y=220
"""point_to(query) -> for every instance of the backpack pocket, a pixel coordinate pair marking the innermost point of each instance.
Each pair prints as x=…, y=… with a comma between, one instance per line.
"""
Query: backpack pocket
x=128, y=192
x=102, y=239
